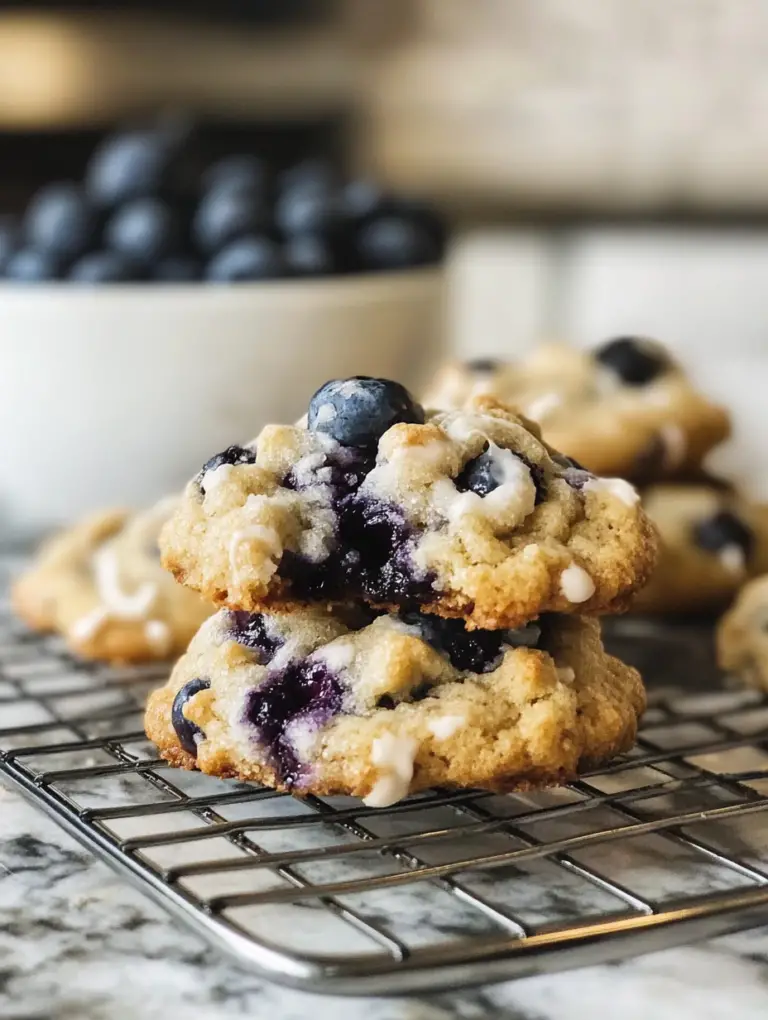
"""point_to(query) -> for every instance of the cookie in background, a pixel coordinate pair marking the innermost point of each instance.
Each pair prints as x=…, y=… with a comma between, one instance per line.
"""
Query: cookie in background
x=625, y=408
x=742, y=635
x=99, y=584
x=712, y=540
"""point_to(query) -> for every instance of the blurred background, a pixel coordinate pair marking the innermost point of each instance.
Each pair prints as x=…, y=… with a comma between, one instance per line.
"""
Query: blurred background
x=602, y=164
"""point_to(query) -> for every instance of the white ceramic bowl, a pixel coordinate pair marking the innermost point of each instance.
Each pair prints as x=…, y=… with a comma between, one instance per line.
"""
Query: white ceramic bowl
x=116, y=395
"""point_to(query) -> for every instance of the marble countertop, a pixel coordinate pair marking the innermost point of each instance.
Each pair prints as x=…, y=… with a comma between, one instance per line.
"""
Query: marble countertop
x=77, y=941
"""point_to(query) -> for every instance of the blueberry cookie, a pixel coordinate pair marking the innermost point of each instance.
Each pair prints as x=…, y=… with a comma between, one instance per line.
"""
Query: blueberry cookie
x=625, y=408
x=711, y=542
x=100, y=585
x=463, y=514
x=742, y=635
x=314, y=702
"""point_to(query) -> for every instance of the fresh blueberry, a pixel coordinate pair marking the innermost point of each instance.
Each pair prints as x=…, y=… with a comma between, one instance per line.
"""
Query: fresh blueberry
x=247, y=259
x=9, y=239
x=395, y=242
x=186, y=730
x=31, y=266
x=237, y=173
x=482, y=366
x=226, y=214
x=635, y=361
x=145, y=230
x=177, y=269
x=304, y=209
x=318, y=174
x=232, y=455
x=361, y=199
x=721, y=530
x=104, y=267
x=357, y=411
x=60, y=222
x=309, y=256
x=128, y=166
x=249, y=630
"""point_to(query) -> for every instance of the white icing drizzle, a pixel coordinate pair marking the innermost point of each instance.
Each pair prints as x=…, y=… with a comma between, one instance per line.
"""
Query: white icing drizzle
x=85, y=628
x=566, y=673
x=512, y=501
x=543, y=405
x=325, y=413
x=395, y=756
x=576, y=584
x=261, y=533
x=733, y=559
x=217, y=476
x=617, y=487
x=444, y=726
x=158, y=635
x=118, y=602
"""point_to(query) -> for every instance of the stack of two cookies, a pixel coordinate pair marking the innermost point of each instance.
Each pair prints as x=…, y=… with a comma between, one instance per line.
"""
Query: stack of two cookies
x=409, y=601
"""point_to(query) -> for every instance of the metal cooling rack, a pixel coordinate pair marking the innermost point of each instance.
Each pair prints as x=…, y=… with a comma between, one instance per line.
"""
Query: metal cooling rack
x=666, y=845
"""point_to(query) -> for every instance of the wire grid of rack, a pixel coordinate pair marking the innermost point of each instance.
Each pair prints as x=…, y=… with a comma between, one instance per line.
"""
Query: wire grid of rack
x=667, y=844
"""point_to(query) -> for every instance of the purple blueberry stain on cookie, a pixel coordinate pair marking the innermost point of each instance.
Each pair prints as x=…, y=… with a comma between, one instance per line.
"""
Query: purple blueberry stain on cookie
x=288, y=708
x=250, y=631
x=189, y=733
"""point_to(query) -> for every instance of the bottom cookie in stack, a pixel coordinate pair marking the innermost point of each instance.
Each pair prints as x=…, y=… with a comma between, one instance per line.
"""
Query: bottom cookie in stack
x=381, y=707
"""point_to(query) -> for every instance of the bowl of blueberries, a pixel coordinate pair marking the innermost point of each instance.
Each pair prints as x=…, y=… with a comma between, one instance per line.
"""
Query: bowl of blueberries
x=160, y=307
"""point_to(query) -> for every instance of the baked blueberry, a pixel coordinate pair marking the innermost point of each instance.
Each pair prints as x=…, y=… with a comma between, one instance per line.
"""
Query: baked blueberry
x=477, y=651
x=237, y=173
x=31, y=266
x=177, y=269
x=226, y=214
x=249, y=258
x=249, y=630
x=130, y=165
x=309, y=255
x=144, y=230
x=357, y=411
x=60, y=222
x=722, y=530
x=395, y=242
x=104, y=267
x=634, y=360
x=186, y=730
x=232, y=455
x=480, y=475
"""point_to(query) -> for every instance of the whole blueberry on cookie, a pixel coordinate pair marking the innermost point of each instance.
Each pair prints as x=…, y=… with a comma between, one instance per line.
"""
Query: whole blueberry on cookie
x=357, y=411
x=635, y=361
x=186, y=730
x=724, y=529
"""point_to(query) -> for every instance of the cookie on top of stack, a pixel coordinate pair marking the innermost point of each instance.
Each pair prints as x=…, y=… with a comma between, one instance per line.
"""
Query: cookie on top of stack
x=408, y=599
x=627, y=408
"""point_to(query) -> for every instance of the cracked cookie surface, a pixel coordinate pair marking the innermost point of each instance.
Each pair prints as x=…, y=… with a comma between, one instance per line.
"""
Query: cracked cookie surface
x=314, y=702
x=463, y=514
x=625, y=408
x=100, y=585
